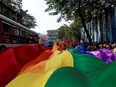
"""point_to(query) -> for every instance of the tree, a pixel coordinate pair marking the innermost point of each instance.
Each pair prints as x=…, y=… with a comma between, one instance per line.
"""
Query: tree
x=71, y=32
x=61, y=32
x=23, y=17
x=28, y=20
x=75, y=28
x=72, y=9
x=16, y=5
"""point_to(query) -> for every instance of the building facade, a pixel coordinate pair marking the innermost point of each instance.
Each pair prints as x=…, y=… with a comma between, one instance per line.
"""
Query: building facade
x=10, y=13
x=102, y=28
x=52, y=35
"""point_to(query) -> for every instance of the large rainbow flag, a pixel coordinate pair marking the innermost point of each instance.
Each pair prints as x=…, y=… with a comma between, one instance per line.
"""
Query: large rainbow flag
x=66, y=68
x=13, y=59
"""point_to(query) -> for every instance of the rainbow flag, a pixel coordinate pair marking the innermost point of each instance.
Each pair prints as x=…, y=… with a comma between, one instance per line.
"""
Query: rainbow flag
x=13, y=59
x=66, y=68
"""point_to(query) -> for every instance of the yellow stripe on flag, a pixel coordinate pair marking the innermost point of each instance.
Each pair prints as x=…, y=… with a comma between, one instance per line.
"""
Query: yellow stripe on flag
x=59, y=60
x=34, y=77
x=31, y=79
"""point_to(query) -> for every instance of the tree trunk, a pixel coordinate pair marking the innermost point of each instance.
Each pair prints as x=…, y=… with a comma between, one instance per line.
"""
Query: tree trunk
x=110, y=25
x=83, y=22
x=99, y=29
x=104, y=27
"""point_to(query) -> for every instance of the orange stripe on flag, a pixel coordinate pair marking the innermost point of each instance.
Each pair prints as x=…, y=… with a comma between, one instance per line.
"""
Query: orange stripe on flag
x=44, y=56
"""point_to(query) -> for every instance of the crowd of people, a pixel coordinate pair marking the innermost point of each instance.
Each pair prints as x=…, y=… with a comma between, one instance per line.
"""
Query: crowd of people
x=100, y=45
x=89, y=46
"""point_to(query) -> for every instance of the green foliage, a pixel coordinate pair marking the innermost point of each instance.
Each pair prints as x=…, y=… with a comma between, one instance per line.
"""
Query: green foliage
x=68, y=9
x=26, y=19
x=71, y=32
x=83, y=10
x=17, y=4
x=13, y=4
x=61, y=32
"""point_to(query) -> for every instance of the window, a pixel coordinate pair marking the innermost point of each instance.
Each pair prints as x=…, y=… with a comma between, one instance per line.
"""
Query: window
x=15, y=31
x=6, y=27
x=6, y=13
x=31, y=35
x=22, y=33
x=36, y=38
x=27, y=35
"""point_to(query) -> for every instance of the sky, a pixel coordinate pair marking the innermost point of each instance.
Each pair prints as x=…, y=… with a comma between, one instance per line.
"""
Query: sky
x=44, y=21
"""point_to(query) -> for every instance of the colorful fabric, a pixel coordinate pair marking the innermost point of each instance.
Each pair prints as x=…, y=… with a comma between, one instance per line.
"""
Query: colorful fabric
x=53, y=68
x=13, y=59
x=105, y=54
x=69, y=68
x=34, y=73
x=82, y=49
